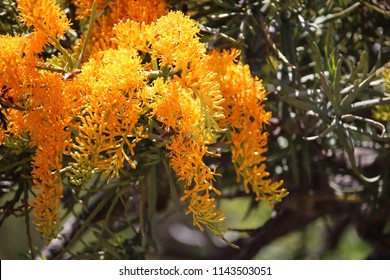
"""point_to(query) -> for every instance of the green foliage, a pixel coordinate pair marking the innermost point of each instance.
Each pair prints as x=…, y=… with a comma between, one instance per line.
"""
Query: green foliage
x=9, y=23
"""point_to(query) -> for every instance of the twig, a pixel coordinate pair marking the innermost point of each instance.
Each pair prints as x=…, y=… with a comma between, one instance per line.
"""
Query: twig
x=90, y=26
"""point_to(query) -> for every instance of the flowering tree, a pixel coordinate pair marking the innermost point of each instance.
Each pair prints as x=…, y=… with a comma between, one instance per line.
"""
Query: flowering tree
x=116, y=113
x=141, y=93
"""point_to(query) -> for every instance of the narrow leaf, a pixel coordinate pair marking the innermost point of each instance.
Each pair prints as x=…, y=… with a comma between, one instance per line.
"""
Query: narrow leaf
x=362, y=66
x=357, y=89
x=317, y=57
x=331, y=17
x=306, y=106
x=329, y=94
x=152, y=191
x=172, y=187
x=337, y=78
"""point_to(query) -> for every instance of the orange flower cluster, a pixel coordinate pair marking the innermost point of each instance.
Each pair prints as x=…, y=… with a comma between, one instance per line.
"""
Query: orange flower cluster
x=36, y=106
x=115, y=11
x=145, y=67
x=45, y=15
x=204, y=95
x=187, y=161
x=108, y=120
x=245, y=119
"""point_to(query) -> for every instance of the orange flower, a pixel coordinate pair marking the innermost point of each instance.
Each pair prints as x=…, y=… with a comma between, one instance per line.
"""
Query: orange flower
x=114, y=12
x=245, y=118
x=186, y=158
x=45, y=15
x=46, y=202
x=84, y=7
x=107, y=131
x=39, y=107
x=194, y=86
x=18, y=59
x=140, y=11
x=174, y=106
x=49, y=111
x=133, y=35
x=179, y=46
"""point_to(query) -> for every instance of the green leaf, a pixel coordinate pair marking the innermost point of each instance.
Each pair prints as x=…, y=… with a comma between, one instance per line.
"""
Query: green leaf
x=353, y=76
x=357, y=89
x=118, y=195
x=329, y=94
x=346, y=141
x=303, y=105
x=152, y=191
x=362, y=66
x=110, y=248
x=224, y=4
x=337, y=78
x=331, y=17
x=172, y=187
x=329, y=39
x=361, y=105
x=317, y=57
